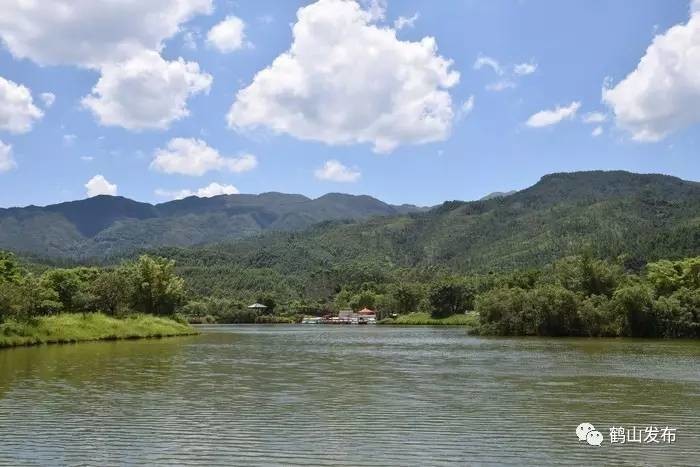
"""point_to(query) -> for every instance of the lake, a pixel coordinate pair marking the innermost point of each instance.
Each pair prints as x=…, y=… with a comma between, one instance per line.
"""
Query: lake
x=362, y=395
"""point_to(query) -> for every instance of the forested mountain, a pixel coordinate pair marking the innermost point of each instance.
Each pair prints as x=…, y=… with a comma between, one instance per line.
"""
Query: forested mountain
x=616, y=215
x=109, y=225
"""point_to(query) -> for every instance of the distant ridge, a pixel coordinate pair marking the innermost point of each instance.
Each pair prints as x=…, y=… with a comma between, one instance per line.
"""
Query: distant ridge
x=611, y=213
x=112, y=225
x=498, y=194
x=621, y=216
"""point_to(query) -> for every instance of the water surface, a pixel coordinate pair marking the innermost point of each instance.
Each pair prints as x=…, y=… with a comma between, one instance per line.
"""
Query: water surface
x=368, y=395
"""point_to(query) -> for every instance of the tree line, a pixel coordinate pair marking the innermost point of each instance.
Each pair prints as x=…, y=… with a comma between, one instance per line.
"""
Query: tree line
x=574, y=296
x=146, y=285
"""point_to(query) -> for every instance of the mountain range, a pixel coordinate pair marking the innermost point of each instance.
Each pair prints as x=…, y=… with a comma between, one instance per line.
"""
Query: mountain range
x=642, y=216
x=104, y=226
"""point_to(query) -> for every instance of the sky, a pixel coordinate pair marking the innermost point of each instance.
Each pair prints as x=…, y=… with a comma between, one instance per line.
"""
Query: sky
x=407, y=101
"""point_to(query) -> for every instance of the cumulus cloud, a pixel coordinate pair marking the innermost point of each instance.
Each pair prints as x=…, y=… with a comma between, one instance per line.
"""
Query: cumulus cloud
x=189, y=156
x=594, y=117
x=335, y=171
x=48, y=98
x=120, y=39
x=7, y=162
x=146, y=91
x=344, y=80
x=213, y=189
x=228, y=35
x=91, y=33
x=552, y=117
x=17, y=110
x=405, y=22
x=98, y=185
x=523, y=69
x=597, y=131
x=489, y=62
x=662, y=95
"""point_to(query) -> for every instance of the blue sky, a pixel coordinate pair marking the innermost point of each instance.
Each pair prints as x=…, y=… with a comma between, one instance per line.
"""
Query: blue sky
x=217, y=121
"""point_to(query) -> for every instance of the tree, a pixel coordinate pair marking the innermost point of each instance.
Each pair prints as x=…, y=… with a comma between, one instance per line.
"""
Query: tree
x=552, y=311
x=112, y=291
x=66, y=283
x=635, y=303
x=365, y=299
x=269, y=302
x=448, y=298
x=406, y=298
x=501, y=311
x=156, y=288
x=10, y=271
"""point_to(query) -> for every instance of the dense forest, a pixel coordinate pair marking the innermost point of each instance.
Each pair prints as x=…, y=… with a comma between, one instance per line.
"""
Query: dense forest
x=574, y=296
x=625, y=218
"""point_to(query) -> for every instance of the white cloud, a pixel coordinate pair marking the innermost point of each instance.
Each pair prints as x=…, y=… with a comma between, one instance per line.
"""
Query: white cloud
x=523, y=69
x=48, y=98
x=98, y=185
x=228, y=35
x=344, y=80
x=213, y=189
x=189, y=40
x=189, y=156
x=17, y=110
x=662, y=95
x=552, y=117
x=597, y=131
x=594, y=117
x=467, y=107
x=334, y=171
x=376, y=9
x=87, y=158
x=405, y=22
x=145, y=92
x=7, y=162
x=69, y=139
x=501, y=85
x=91, y=33
x=484, y=61
x=120, y=38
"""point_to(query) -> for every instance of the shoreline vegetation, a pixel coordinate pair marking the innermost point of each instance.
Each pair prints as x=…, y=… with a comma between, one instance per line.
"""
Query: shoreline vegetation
x=573, y=296
x=469, y=319
x=78, y=327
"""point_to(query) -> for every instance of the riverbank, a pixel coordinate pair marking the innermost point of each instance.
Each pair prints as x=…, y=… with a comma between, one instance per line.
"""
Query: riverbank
x=78, y=327
x=424, y=319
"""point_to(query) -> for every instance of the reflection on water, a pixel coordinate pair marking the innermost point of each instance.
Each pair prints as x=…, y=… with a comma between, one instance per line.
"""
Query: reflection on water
x=349, y=395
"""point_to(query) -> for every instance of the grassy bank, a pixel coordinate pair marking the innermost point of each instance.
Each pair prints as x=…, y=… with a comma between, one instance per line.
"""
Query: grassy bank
x=470, y=319
x=66, y=328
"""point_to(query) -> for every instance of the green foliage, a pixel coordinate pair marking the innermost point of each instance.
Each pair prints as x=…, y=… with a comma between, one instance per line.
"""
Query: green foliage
x=450, y=297
x=156, y=289
x=147, y=285
x=594, y=298
x=406, y=298
x=668, y=276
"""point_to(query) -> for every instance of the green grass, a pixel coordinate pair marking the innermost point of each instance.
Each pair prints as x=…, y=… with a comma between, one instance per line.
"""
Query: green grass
x=67, y=328
x=470, y=319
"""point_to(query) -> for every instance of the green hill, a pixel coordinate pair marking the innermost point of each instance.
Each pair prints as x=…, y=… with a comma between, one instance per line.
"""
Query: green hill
x=606, y=214
x=106, y=226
